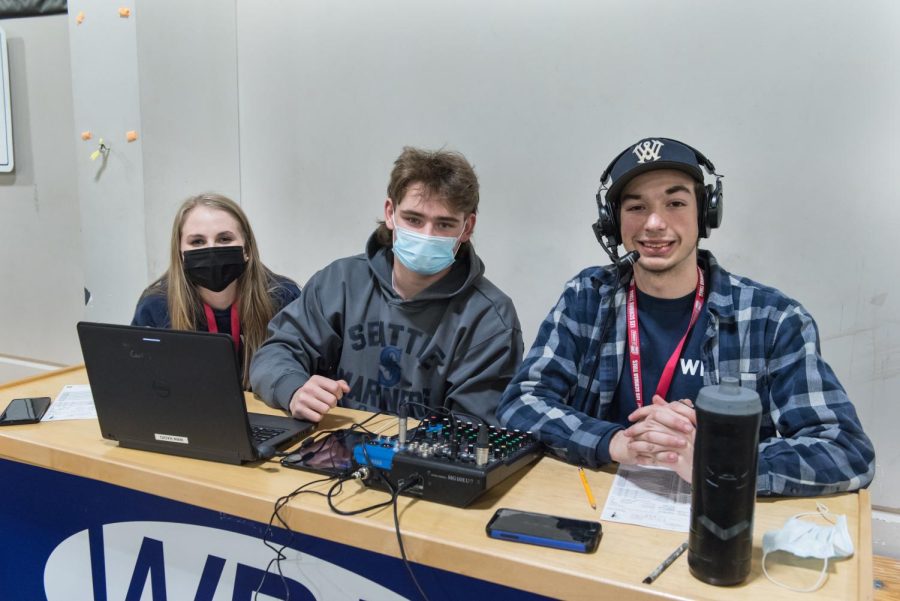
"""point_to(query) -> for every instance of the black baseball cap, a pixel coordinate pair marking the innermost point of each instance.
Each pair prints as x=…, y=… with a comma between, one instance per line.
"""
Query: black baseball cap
x=648, y=155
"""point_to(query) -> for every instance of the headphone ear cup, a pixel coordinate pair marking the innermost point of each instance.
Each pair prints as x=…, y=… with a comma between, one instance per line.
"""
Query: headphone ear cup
x=606, y=225
x=703, y=205
x=713, y=206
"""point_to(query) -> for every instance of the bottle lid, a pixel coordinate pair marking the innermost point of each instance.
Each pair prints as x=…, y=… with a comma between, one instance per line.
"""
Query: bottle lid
x=729, y=397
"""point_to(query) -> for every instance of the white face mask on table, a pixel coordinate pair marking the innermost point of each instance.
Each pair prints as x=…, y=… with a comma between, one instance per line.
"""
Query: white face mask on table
x=806, y=539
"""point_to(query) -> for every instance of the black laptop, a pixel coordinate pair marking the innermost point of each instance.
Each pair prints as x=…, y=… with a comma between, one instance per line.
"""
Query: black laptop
x=177, y=392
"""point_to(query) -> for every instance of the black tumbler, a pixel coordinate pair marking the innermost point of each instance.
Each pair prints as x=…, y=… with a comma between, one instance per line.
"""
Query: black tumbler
x=723, y=489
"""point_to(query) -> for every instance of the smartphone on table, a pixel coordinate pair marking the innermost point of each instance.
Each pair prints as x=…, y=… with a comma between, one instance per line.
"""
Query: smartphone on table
x=24, y=411
x=545, y=530
x=331, y=455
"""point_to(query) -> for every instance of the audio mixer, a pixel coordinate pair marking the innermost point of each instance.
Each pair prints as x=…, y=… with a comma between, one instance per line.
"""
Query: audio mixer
x=452, y=462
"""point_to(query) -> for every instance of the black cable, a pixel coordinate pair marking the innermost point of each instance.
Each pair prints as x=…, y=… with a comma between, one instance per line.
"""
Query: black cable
x=414, y=479
x=428, y=408
x=319, y=437
x=402, y=486
x=470, y=416
x=446, y=411
x=279, y=551
x=395, y=492
x=455, y=421
x=322, y=434
x=276, y=454
x=339, y=484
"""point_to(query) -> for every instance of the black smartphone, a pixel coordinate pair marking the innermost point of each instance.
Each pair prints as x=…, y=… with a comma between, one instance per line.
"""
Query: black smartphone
x=545, y=530
x=24, y=411
x=331, y=455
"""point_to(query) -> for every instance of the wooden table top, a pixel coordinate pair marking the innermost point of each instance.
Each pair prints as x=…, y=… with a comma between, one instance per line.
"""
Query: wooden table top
x=441, y=536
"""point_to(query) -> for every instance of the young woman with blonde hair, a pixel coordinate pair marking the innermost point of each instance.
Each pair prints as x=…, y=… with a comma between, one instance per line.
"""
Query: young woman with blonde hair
x=216, y=281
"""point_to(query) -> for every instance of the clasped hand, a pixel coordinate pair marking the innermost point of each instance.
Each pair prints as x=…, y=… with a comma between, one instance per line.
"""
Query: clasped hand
x=661, y=433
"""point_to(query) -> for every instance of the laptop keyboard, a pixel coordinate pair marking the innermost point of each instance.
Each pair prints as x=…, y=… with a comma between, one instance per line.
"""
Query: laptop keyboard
x=261, y=434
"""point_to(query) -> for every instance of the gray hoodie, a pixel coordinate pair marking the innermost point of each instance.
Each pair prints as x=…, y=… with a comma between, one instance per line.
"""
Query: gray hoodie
x=456, y=344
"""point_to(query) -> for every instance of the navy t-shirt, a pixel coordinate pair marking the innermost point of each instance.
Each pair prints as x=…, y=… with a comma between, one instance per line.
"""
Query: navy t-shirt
x=661, y=324
x=223, y=320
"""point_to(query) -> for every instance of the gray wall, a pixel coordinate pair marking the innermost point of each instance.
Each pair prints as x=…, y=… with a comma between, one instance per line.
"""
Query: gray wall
x=175, y=84
x=107, y=103
x=40, y=228
x=189, y=112
x=298, y=110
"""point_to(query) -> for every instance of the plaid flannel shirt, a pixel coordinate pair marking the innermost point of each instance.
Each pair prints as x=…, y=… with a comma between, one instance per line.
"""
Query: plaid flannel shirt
x=811, y=440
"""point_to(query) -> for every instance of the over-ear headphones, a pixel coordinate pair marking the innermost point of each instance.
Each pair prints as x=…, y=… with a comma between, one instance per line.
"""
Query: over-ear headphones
x=650, y=154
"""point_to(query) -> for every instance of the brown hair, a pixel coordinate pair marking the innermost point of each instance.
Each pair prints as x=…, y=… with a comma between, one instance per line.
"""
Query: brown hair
x=255, y=308
x=444, y=173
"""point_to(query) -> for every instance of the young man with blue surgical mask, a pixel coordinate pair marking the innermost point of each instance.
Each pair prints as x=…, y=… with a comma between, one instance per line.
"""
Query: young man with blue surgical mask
x=412, y=322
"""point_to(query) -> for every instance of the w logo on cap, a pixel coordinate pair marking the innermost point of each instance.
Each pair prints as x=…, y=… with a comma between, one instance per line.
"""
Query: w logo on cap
x=648, y=150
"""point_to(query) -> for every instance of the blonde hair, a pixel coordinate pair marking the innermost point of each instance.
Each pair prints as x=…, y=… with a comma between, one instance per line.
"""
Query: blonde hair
x=253, y=287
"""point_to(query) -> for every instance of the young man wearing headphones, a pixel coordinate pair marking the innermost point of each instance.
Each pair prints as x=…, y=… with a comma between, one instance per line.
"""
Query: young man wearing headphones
x=411, y=324
x=625, y=341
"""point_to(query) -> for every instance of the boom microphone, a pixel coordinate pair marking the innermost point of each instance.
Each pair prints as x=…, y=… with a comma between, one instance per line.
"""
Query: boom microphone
x=628, y=261
x=622, y=264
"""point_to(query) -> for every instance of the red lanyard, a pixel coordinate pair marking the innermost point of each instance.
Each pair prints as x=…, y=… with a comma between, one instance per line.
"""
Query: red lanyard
x=213, y=327
x=634, y=342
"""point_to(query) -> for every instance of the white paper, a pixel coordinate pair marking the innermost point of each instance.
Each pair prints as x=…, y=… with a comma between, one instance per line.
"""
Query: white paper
x=73, y=402
x=647, y=496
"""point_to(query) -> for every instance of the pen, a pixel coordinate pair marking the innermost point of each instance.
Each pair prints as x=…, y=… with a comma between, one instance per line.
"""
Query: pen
x=587, y=488
x=666, y=563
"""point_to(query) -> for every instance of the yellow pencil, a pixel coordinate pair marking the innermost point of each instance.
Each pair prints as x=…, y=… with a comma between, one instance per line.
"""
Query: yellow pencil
x=587, y=488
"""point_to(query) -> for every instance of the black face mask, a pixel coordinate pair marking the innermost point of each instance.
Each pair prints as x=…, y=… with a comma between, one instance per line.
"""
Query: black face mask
x=214, y=267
